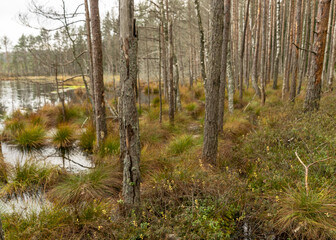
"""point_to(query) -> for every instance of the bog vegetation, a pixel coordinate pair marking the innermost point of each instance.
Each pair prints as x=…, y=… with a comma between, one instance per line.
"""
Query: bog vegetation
x=204, y=120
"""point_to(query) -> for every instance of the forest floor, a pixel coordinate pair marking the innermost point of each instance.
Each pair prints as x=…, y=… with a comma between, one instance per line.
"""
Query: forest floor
x=257, y=190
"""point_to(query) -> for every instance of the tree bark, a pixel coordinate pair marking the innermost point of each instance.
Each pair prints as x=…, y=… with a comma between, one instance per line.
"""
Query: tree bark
x=202, y=40
x=89, y=46
x=210, y=143
x=297, y=41
x=277, y=56
x=333, y=55
x=226, y=34
x=129, y=124
x=98, y=73
x=256, y=54
x=263, y=54
x=241, y=64
x=171, y=75
x=312, y=100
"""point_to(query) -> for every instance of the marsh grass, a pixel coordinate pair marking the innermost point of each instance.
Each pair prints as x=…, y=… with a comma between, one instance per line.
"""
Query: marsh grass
x=111, y=146
x=64, y=136
x=31, y=137
x=87, y=139
x=103, y=182
x=307, y=216
x=30, y=177
x=180, y=144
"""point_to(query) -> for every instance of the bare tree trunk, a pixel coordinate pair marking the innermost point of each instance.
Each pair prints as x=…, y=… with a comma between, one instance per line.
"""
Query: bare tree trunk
x=210, y=142
x=89, y=46
x=312, y=100
x=161, y=38
x=202, y=40
x=263, y=54
x=333, y=55
x=286, y=72
x=230, y=81
x=226, y=34
x=295, y=49
x=241, y=64
x=164, y=51
x=256, y=54
x=277, y=56
x=171, y=75
x=147, y=68
x=98, y=74
x=129, y=119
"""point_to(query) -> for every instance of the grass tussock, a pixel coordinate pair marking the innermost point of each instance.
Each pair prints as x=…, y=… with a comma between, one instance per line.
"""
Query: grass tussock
x=180, y=144
x=307, y=216
x=103, y=182
x=30, y=177
x=111, y=146
x=64, y=136
x=87, y=139
x=31, y=137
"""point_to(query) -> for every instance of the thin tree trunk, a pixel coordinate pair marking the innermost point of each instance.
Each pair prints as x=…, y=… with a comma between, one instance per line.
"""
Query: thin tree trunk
x=210, y=142
x=98, y=74
x=263, y=54
x=312, y=100
x=89, y=46
x=241, y=64
x=333, y=55
x=202, y=40
x=226, y=34
x=256, y=54
x=129, y=119
x=171, y=75
x=277, y=56
x=295, y=49
x=160, y=70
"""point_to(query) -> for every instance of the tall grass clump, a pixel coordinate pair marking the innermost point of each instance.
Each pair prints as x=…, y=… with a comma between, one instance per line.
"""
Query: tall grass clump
x=31, y=176
x=96, y=184
x=12, y=128
x=64, y=136
x=30, y=137
x=307, y=216
x=111, y=146
x=87, y=139
x=180, y=144
x=4, y=171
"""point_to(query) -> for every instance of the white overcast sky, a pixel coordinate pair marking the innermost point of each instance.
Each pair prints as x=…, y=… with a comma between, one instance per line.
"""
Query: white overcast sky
x=10, y=9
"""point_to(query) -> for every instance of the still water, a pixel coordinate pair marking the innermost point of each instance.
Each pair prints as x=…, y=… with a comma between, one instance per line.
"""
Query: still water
x=30, y=96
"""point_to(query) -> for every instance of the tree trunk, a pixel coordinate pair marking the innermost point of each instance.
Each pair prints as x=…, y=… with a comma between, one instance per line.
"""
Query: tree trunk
x=263, y=54
x=295, y=49
x=210, y=143
x=202, y=40
x=333, y=56
x=256, y=55
x=98, y=74
x=161, y=38
x=171, y=76
x=129, y=119
x=226, y=34
x=312, y=100
x=277, y=56
x=89, y=46
x=241, y=64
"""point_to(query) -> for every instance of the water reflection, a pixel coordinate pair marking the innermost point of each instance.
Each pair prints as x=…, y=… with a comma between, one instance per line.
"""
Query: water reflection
x=27, y=95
